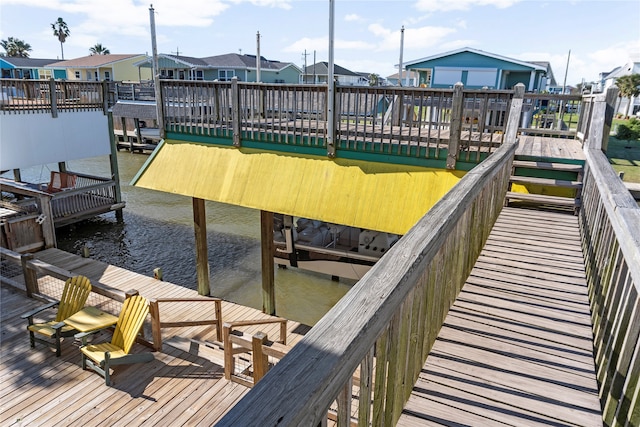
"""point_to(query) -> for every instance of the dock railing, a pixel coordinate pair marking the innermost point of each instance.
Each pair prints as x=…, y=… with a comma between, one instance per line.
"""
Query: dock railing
x=552, y=115
x=90, y=196
x=437, y=124
x=386, y=324
x=45, y=282
x=610, y=228
x=52, y=96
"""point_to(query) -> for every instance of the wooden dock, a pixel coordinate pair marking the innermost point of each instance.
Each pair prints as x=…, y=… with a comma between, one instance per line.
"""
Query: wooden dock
x=184, y=385
x=516, y=347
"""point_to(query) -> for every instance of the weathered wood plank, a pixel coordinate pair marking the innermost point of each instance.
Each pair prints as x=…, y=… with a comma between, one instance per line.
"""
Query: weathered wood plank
x=516, y=347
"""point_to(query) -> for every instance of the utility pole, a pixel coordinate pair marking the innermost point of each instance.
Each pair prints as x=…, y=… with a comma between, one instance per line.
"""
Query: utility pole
x=401, y=49
x=258, y=77
x=156, y=73
x=304, y=56
x=314, y=67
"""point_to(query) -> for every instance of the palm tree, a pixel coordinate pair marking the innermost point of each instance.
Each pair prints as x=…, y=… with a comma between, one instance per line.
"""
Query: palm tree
x=98, y=49
x=629, y=86
x=15, y=47
x=61, y=31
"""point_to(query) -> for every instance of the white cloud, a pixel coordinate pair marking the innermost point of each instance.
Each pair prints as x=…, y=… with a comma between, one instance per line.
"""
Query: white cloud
x=353, y=17
x=449, y=5
x=321, y=44
x=282, y=4
x=414, y=38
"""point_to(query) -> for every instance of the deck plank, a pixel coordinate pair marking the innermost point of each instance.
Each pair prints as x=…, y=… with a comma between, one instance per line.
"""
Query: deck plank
x=33, y=382
x=516, y=347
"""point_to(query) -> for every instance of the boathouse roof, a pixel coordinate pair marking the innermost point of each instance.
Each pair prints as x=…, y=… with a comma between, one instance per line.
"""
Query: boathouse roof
x=376, y=196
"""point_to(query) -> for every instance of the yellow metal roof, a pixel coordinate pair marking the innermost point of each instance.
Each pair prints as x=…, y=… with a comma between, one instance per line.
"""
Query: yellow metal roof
x=375, y=196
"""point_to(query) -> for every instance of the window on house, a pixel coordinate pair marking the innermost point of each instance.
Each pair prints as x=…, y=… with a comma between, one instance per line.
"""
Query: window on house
x=77, y=75
x=482, y=77
x=107, y=75
x=199, y=75
x=170, y=74
x=45, y=74
x=225, y=75
x=446, y=76
x=96, y=77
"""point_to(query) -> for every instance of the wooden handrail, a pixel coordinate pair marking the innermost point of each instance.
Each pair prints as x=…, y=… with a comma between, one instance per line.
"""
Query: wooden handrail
x=610, y=230
x=387, y=310
x=157, y=324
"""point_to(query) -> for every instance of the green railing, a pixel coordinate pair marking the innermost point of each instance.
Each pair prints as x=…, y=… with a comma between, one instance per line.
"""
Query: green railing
x=444, y=126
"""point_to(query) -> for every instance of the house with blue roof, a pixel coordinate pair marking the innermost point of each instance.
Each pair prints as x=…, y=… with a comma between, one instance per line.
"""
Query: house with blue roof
x=25, y=68
x=477, y=69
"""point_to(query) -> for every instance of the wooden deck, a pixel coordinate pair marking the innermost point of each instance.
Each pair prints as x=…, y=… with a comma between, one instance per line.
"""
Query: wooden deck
x=184, y=385
x=516, y=347
x=542, y=147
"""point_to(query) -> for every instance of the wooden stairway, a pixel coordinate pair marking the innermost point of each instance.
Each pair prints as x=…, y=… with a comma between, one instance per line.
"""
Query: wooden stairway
x=524, y=173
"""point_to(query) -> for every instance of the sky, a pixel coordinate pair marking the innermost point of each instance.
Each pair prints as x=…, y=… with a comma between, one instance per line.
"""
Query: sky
x=589, y=36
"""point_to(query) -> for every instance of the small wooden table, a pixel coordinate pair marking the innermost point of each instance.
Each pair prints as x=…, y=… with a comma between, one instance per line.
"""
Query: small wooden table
x=90, y=319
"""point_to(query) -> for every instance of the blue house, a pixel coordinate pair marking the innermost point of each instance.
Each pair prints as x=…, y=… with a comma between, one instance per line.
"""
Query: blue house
x=477, y=69
x=25, y=68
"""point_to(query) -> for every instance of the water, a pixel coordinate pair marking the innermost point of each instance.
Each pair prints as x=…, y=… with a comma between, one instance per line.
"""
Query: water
x=157, y=231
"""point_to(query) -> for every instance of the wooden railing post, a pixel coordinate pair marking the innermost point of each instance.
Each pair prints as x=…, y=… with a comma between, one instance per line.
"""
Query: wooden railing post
x=30, y=275
x=601, y=119
x=260, y=360
x=332, y=115
x=513, y=120
x=53, y=98
x=156, y=331
x=229, y=361
x=455, y=127
x=48, y=224
x=235, y=111
x=218, y=308
x=105, y=97
x=344, y=404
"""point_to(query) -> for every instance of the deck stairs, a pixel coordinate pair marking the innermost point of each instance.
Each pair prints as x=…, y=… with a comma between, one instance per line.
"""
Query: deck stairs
x=549, y=184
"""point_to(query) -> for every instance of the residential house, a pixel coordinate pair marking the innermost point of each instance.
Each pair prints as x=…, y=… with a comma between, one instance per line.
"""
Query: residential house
x=114, y=67
x=609, y=79
x=176, y=67
x=395, y=81
x=477, y=69
x=224, y=68
x=25, y=68
x=318, y=73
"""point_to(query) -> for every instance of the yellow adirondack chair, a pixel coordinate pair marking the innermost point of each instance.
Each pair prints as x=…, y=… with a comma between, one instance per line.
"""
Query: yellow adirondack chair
x=74, y=296
x=101, y=357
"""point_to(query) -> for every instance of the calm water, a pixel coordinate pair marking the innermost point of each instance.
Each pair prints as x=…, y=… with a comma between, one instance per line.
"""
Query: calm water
x=157, y=231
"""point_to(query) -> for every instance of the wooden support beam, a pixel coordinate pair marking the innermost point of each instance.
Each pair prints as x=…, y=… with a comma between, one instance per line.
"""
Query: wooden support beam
x=202, y=256
x=113, y=162
x=268, y=273
x=455, y=125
